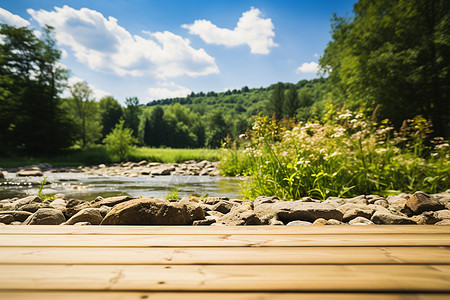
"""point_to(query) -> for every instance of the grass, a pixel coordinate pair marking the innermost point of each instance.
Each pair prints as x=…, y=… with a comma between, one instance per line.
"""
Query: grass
x=98, y=154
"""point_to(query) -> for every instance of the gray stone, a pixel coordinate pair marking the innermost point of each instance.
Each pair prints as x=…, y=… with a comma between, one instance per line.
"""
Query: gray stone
x=357, y=212
x=443, y=222
x=74, y=202
x=298, y=223
x=360, y=221
x=205, y=222
x=163, y=170
x=264, y=199
x=110, y=201
x=18, y=215
x=442, y=214
x=223, y=206
x=148, y=211
x=46, y=216
x=420, y=202
x=381, y=202
x=320, y=222
x=240, y=215
x=91, y=215
x=287, y=211
x=334, y=222
x=104, y=210
x=33, y=207
x=30, y=172
x=58, y=204
x=27, y=200
x=390, y=219
x=6, y=218
x=214, y=200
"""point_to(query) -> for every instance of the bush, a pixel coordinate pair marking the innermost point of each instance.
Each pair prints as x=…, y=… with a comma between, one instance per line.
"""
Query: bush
x=119, y=141
x=347, y=156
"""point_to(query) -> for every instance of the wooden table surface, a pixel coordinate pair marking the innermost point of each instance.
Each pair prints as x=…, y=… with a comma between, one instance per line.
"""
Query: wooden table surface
x=248, y=262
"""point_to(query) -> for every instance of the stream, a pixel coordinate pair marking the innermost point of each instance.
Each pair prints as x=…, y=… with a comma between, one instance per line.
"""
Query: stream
x=88, y=187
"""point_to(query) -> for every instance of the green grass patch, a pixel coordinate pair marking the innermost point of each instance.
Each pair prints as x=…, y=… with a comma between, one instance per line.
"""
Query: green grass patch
x=98, y=154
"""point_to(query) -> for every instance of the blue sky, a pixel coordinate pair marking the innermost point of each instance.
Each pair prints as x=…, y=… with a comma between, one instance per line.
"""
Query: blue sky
x=164, y=49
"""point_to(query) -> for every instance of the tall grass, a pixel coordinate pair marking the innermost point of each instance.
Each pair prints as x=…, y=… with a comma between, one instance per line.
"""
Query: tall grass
x=347, y=156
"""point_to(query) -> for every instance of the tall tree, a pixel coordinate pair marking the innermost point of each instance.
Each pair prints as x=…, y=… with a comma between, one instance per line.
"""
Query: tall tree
x=394, y=54
x=131, y=114
x=110, y=112
x=85, y=113
x=291, y=103
x=217, y=129
x=31, y=118
x=276, y=101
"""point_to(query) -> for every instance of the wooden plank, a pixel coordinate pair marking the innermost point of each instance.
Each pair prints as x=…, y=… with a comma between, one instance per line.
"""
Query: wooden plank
x=249, y=230
x=225, y=256
x=226, y=240
x=255, y=278
x=75, y=295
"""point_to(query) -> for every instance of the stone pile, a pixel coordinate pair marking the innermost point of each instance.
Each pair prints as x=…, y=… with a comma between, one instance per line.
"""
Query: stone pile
x=130, y=169
x=418, y=208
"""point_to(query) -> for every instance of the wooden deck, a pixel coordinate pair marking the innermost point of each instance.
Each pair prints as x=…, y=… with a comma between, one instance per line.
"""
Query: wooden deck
x=214, y=263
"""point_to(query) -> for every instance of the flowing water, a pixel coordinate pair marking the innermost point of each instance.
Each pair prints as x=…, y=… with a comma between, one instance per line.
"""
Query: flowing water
x=88, y=187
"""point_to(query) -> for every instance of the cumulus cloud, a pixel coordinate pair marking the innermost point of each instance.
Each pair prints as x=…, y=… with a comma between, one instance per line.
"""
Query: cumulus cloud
x=13, y=20
x=168, y=90
x=105, y=46
x=97, y=93
x=311, y=67
x=251, y=29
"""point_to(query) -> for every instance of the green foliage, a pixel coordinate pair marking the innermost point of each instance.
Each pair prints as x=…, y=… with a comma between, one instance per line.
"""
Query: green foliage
x=173, y=195
x=347, y=156
x=31, y=118
x=131, y=114
x=119, y=141
x=394, y=55
x=276, y=102
x=110, y=113
x=169, y=155
x=291, y=103
x=85, y=114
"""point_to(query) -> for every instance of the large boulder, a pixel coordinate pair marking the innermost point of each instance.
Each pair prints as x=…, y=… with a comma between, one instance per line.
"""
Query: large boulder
x=45, y=216
x=91, y=215
x=287, y=211
x=240, y=215
x=110, y=201
x=19, y=216
x=148, y=211
x=420, y=202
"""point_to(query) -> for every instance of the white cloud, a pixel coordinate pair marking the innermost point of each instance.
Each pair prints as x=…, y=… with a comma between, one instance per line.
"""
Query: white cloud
x=13, y=20
x=168, y=90
x=251, y=29
x=105, y=46
x=311, y=67
x=97, y=93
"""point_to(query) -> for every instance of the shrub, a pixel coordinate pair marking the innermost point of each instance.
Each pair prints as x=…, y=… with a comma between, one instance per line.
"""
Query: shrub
x=119, y=141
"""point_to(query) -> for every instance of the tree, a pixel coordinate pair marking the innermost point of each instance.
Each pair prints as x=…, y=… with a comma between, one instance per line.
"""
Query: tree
x=131, y=114
x=394, y=55
x=110, y=112
x=217, y=129
x=291, y=103
x=155, y=127
x=275, y=105
x=119, y=141
x=31, y=118
x=85, y=114
x=304, y=98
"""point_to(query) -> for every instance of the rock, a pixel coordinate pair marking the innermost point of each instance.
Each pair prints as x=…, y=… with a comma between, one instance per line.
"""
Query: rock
x=214, y=200
x=240, y=215
x=148, y=211
x=91, y=215
x=45, y=216
x=320, y=222
x=205, y=222
x=33, y=207
x=396, y=199
x=58, y=204
x=264, y=199
x=287, y=211
x=334, y=222
x=163, y=170
x=357, y=212
x=2, y=176
x=223, y=206
x=104, y=210
x=443, y=222
x=27, y=200
x=111, y=201
x=390, y=219
x=82, y=224
x=74, y=202
x=142, y=163
x=442, y=214
x=360, y=221
x=6, y=218
x=18, y=215
x=420, y=202
x=29, y=172
x=381, y=202
x=298, y=223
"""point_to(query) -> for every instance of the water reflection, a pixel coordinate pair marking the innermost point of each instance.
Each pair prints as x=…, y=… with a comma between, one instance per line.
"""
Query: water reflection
x=82, y=186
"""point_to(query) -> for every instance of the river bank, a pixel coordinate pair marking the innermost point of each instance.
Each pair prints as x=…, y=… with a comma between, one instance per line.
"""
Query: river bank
x=418, y=208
